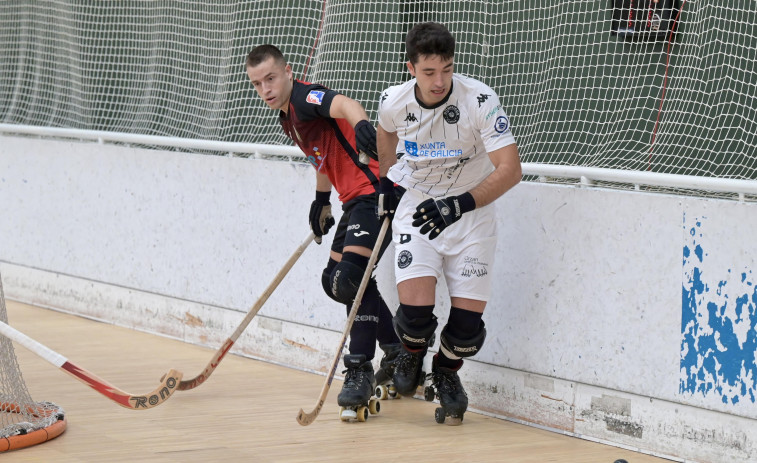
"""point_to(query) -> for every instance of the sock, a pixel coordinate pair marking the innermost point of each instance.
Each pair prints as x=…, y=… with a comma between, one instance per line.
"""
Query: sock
x=365, y=327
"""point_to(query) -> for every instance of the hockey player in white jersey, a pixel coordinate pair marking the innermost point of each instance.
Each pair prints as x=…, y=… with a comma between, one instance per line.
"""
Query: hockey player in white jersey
x=445, y=140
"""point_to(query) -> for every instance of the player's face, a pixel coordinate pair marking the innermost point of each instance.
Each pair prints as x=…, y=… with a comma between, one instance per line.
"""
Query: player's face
x=434, y=78
x=273, y=82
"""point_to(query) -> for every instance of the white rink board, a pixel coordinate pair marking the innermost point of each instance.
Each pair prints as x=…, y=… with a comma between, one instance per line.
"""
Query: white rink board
x=596, y=298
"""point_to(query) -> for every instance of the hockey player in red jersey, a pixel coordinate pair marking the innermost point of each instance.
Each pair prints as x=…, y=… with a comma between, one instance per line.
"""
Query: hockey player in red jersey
x=339, y=141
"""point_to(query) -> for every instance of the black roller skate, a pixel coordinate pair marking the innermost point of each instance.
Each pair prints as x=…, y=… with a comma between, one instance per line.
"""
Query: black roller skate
x=359, y=382
x=384, y=385
x=408, y=373
x=446, y=386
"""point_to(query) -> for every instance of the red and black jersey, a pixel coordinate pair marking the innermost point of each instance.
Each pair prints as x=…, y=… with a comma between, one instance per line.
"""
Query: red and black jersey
x=328, y=143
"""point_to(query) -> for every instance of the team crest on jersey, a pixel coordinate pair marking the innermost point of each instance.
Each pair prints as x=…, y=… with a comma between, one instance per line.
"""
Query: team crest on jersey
x=501, y=124
x=451, y=114
x=315, y=97
x=411, y=148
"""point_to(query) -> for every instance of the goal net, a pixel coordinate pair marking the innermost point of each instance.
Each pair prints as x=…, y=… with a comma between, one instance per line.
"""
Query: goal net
x=23, y=422
x=662, y=86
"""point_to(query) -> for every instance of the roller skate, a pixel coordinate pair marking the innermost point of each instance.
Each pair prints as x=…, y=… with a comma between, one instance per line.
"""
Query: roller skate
x=355, y=399
x=384, y=384
x=408, y=373
x=446, y=386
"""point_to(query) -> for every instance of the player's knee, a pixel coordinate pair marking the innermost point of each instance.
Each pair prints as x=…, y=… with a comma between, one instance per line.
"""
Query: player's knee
x=414, y=332
x=326, y=279
x=460, y=346
x=345, y=280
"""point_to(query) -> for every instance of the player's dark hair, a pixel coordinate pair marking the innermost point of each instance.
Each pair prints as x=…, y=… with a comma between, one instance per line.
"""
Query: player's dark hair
x=262, y=53
x=427, y=39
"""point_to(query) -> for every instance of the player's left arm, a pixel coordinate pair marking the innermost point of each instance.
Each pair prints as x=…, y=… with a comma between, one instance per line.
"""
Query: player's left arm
x=506, y=174
x=434, y=215
x=343, y=107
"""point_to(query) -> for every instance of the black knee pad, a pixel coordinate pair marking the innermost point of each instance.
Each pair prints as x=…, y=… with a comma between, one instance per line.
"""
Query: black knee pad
x=460, y=348
x=345, y=281
x=414, y=333
x=326, y=279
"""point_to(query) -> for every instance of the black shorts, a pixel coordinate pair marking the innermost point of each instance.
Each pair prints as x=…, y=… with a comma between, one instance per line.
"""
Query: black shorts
x=360, y=225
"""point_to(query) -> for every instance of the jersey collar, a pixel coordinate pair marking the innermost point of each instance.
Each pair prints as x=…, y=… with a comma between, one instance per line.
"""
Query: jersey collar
x=444, y=100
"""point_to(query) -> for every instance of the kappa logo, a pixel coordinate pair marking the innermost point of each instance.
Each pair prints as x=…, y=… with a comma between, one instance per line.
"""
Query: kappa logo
x=410, y=118
x=411, y=148
x=482, y=98
x=315, y=97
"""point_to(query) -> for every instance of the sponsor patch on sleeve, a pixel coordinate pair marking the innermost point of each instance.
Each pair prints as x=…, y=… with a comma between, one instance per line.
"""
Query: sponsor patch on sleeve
x=315, y=97
x=501, y=124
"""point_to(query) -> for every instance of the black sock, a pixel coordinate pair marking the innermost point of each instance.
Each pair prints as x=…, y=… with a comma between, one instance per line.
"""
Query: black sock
x=365, y=327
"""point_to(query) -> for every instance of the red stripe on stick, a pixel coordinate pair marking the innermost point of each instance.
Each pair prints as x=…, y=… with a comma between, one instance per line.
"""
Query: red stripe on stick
x=95, y=383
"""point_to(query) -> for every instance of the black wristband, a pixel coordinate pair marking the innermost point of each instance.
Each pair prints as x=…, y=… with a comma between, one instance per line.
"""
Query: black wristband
x=386, y=183
x=323, y=197
x=467, y=202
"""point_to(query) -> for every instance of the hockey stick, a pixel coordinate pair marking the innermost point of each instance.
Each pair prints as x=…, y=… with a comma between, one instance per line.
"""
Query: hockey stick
x=124, y=399
x=221, y=353
x=306, y=418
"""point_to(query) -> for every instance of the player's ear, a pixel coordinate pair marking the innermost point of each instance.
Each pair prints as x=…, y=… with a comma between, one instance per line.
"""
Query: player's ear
x=410, y=68
x=288, y=70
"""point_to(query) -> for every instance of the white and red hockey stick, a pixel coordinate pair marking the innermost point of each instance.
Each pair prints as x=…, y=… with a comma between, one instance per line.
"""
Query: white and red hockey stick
x=306, y=418
x=135, y=402
x=221, y=353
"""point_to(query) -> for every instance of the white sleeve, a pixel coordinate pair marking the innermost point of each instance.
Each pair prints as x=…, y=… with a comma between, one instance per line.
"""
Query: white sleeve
x=493, y=123
x=384, y=113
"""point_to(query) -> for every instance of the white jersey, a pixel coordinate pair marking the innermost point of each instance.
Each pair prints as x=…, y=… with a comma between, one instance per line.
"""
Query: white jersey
x=443, y=150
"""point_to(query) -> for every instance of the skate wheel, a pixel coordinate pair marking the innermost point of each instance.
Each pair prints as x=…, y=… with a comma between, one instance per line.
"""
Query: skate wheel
x=381, y=392
x=374, y=406
x=346, y=414
x=429, y=393
x=362, y=414
x=439, y=415
x=392, y=391
x=454, y=420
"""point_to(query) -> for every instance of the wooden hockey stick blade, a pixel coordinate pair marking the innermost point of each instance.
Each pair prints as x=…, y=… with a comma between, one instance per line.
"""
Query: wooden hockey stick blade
x=306, y=418
x=221, y=353
x=132, y=401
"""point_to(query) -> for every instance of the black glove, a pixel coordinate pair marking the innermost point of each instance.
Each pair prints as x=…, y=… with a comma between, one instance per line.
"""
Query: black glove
x=365, y=139
x=387, y=198
x=320, y=216
x=437, y=214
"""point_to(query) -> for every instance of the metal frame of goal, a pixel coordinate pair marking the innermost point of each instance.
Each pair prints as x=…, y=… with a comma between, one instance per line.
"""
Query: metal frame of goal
x=23, y=422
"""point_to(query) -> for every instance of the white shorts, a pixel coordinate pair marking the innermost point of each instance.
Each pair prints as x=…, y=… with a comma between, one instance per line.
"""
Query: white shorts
x=463, y=253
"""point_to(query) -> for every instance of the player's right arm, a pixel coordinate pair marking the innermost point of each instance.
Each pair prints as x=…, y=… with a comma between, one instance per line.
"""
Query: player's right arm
x=386, y=144
x=320, y=217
